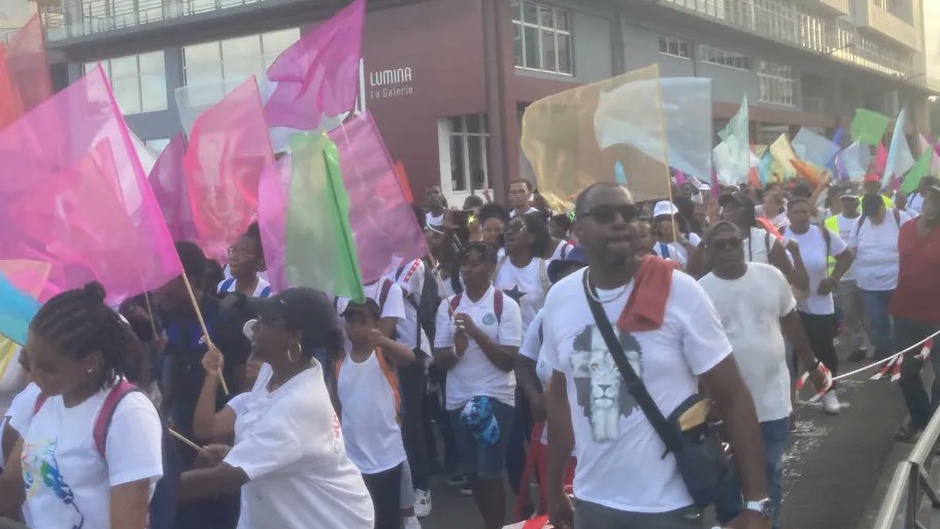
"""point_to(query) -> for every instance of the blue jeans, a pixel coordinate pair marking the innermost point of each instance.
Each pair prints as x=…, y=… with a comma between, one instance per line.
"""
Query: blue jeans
x=775, y=435
x=485, y=462
x=879, y=320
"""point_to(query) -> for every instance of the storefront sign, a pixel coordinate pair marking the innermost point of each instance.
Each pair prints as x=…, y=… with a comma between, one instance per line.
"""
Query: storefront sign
x=391, y=83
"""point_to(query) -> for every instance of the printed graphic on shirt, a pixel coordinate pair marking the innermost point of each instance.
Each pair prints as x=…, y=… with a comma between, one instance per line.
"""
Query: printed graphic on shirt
x=602, y=392
x=41, y=469
x=336, y=444
x=515, y=294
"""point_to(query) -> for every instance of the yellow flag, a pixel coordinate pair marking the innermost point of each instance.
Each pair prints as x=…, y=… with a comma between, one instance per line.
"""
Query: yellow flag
x=782, y=153
x=30, y=277
x=560, y=139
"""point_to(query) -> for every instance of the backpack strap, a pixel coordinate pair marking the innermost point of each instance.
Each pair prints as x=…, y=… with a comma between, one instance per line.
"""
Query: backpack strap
x=545, y=282
x=390, y=376
x=455, y=302
x=498, y=305
x=266, y=292
x=103, y=421
x=897, y=216
x=40, y=400
x=226, y=285
x=383, y=294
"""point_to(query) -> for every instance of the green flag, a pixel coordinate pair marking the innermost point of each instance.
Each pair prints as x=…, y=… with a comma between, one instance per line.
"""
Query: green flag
x=869, y=127
x=320, y=251
x=917, y=173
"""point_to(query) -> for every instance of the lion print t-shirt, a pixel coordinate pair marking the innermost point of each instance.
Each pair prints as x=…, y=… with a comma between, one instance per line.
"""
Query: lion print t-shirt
x=620, y=463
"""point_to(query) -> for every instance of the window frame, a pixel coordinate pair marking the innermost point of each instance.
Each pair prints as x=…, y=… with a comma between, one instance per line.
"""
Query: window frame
x=141, y=107
x=713, y=55
x=666, y=42
x=462, y=134
x=520, y=25
x=776, y=84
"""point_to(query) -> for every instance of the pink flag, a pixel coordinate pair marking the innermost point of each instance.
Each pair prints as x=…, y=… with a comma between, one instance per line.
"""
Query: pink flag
x=272, y=219
x=80, y=200
x=26, y=59
x=384, y=227
x=229, y=147
x=680, y=177
x=168, y=181
x=881, y=159
x=319, y=74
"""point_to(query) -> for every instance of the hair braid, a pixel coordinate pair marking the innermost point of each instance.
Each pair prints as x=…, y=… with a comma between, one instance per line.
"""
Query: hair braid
x=79, y=323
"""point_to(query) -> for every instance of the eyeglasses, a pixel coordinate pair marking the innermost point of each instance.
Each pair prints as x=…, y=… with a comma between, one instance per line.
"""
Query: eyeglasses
x=607, y=214
x=732, y=243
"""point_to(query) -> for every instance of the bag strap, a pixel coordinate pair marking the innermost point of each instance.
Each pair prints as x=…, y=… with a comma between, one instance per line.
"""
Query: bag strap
x=103, y=421
x=383, y=294
x=636, y=387
x=897, y=216
x=498, y=305
x=227, y=284
x=40, y=400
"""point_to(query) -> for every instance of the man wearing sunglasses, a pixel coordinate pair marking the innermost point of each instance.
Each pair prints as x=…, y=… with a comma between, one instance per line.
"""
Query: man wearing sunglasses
x=756, y=326
x=670, y=335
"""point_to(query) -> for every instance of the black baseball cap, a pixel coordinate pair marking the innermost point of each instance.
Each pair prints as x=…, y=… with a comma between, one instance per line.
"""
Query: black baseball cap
x=739, y=197
x=306, y=309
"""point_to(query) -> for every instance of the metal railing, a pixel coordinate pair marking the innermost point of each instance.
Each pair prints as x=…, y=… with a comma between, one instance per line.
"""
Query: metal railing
x=912, y=483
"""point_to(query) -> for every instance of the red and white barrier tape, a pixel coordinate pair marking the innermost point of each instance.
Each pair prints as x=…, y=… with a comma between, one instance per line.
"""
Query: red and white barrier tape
x=829, y=380
x=893, y=362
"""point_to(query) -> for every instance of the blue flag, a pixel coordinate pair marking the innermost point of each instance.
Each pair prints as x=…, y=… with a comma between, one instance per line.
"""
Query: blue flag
x=16, y=311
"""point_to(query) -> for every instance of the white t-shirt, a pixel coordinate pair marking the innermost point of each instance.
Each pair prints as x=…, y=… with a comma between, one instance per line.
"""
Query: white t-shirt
x=846, y=225
x=370, y=418
x=675, y=251
x=290, y=444
x=876, y=257
x=512, y=212
x=527, y=285
x=474, y=375
x=750, y=308
x=262, y=289
x=816, y=260
x=915, y=205
x=17, y=415
x=411, y=282
x=613, y=437
x=759, y=243
x=530, y=348
x=68, y=484
x=435, y=220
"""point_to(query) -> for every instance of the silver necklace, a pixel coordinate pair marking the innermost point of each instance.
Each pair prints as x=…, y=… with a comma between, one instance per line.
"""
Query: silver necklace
x=597, y=298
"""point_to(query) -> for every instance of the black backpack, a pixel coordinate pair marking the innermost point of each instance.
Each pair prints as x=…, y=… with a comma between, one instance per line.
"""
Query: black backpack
x=426, y=304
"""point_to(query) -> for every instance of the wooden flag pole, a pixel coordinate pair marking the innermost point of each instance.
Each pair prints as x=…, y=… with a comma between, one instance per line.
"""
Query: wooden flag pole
x=153, y=326
x=202, y=324
x=185, y=441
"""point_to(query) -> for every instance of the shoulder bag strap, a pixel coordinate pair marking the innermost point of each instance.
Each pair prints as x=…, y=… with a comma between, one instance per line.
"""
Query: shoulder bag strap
x=636, y=387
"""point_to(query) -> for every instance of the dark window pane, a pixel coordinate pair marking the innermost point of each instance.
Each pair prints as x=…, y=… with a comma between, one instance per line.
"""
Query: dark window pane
x=516, y=10
x=458, y=178
x=564, y=53
x=530, y=12
x=546, y=17
x=531, y=47
x=561, y=20
x=548, y=51
x=517, y=47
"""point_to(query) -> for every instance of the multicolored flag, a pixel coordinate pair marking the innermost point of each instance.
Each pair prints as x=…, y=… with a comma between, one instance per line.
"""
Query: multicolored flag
x=80, y=200
x=869, y=127
x=319, y=74
x=386, y=231
x=319, y=249
x=816, y=148
x=273, y=199
x=16, y=311
x=228, y=149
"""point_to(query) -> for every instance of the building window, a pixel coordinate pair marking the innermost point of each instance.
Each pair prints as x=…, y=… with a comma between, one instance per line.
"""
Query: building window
x=542, y=37
x=156, y=146
x=465, y=146
x=725, y=58
x=235, y=59
x=675, y=47
x=776, y=83
x=138, y=81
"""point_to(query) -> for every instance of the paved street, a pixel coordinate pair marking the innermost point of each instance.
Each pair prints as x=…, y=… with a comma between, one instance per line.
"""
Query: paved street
x=832, y=468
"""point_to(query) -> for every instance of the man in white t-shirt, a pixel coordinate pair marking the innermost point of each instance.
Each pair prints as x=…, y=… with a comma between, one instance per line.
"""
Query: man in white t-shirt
x=478, y=335
x=519, y=192
x=852, y=333
x=757, y=310
x=436, y=206
x=874, y=239
x=671, y=335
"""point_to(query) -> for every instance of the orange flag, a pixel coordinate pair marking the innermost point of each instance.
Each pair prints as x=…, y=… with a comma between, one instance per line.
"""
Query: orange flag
x=10, y=106
x=807, y=171
x=403, y=180
x=27, y=64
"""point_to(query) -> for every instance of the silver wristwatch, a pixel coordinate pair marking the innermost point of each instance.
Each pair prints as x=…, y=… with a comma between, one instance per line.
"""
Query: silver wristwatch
x=762, y=507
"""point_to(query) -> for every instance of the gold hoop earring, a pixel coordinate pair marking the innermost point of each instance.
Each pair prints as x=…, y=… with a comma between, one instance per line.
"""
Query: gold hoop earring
x=300, y=352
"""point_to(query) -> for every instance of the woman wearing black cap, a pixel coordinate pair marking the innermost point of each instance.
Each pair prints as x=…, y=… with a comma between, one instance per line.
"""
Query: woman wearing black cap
x=289, y=458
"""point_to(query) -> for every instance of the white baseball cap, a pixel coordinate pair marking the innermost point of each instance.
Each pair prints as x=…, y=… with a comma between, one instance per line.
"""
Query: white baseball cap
x=664, y=208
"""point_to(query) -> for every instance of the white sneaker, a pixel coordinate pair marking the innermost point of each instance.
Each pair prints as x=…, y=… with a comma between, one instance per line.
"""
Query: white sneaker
x=412, y=522
x=831, y=403
x=422, y=503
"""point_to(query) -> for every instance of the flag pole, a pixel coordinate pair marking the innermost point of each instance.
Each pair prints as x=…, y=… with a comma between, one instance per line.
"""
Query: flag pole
x=659, y=94
x=202, y=324
x=153, y=326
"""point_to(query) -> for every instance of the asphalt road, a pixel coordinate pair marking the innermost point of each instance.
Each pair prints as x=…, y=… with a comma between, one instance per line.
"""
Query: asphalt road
x=831, y=468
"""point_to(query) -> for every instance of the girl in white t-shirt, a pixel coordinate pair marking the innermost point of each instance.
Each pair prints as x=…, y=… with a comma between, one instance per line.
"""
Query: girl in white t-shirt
x=246, y=261
x=369, y=400
x=289, y=458
x=79, y=350
x=521, y=273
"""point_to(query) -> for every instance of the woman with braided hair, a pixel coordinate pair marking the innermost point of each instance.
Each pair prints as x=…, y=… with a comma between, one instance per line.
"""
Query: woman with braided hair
x=74, y=472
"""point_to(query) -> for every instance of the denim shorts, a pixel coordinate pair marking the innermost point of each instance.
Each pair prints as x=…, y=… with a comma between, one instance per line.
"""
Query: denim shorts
x=483, y=461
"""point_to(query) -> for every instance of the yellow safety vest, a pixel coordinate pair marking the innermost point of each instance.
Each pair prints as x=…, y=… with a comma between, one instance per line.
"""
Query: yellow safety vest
x=832, y=224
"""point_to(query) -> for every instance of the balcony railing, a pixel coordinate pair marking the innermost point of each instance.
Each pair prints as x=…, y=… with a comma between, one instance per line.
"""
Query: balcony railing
x=79, y=18
x=789, y=22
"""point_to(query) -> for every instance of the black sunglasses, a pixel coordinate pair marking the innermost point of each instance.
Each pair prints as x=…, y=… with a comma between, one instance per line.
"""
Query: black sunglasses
x=607, y=214
x=727, y=244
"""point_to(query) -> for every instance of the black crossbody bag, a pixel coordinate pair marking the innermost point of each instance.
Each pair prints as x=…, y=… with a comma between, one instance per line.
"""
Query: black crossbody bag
x=687, y=433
